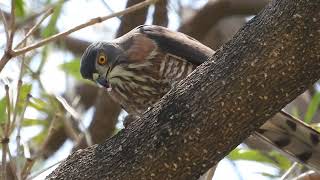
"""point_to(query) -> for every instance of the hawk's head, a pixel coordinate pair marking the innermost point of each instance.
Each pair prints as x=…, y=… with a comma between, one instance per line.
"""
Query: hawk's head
x=119, y=61
x=98, y=61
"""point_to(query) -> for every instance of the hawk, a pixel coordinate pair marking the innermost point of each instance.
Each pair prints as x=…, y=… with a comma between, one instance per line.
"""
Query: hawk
x=144, y=64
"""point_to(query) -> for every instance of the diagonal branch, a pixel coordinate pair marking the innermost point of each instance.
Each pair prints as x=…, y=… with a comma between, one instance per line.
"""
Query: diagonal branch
x=35, y=27
x=84, y=25
x=272, y=60
x=8, y=55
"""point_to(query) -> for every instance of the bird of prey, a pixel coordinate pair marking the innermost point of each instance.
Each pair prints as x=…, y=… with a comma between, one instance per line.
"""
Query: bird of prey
x=144, y=64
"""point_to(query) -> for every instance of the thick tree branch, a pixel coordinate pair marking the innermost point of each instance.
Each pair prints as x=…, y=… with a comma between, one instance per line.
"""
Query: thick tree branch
x=273, y=59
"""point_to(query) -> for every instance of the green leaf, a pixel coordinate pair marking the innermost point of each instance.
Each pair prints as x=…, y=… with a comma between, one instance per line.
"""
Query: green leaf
x=272, y=176
x=51, y=27
x=312, y=108
x=19, y=8
x=3, y=113
x=33, y=122
x=73, y=68
x=295, y=112
x=24, y=91
x=282, y=162
x=39, y=138
x=38, y=104
x=273, y=158
x=249, y=155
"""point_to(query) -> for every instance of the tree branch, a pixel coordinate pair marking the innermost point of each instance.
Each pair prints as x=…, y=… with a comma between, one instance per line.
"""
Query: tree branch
x=199, y=25
x=134, y=19
x=13, y=53
x=160, y=15
x=272, y=60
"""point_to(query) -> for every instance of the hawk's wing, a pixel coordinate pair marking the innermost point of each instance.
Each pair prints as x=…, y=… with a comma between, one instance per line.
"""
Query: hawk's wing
x=177, y=44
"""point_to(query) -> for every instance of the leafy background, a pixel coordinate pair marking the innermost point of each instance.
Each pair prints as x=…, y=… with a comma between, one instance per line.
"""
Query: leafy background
x=64, y=113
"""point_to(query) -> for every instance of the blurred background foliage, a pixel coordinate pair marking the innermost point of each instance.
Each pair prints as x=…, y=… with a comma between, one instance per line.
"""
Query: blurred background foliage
x=56, y=112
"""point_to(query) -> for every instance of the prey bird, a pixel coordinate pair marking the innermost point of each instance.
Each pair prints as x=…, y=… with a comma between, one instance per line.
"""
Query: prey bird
x=144, y=64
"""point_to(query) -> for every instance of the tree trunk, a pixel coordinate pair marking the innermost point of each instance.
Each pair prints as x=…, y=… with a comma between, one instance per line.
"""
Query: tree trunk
x=272, y=60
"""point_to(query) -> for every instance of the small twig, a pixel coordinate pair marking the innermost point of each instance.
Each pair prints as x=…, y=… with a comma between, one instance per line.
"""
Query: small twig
x=44, y=56
x=14, y=119
x=27, y=168
x=20, y=153
x=34, y=28
x=15, y=113
x=6, y=133
x=30, y=161
x=5, y=139
x=86, y=133
x=12, y=166
x=43, y=170
x=5, y=23
x=71, y=112
x=4, y=158
x=109, y=8
x=68, y=107
x=12, y=25
x=289, y=173
x=69, y=128
x=13, y=53
x=211, y=173
x=51, y=130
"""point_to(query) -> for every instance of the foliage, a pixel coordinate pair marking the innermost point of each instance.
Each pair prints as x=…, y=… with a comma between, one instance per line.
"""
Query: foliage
x=20, y=12
x=312, y=108
x=51, y=27
x=72, y=68
x=3, y=114
x=272, y=158
x=44, y=107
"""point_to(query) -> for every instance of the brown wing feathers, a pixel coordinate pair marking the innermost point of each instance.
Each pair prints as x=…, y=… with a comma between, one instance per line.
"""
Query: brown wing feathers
x=177, y=44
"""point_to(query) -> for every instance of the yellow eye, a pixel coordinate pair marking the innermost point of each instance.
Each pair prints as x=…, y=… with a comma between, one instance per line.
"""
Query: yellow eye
x=102, y=60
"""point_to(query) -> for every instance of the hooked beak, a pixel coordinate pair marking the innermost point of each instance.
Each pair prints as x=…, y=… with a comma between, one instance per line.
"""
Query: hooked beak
x=101, y=81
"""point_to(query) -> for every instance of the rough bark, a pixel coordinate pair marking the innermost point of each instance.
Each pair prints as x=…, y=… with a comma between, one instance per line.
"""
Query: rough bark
x=272, y=60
